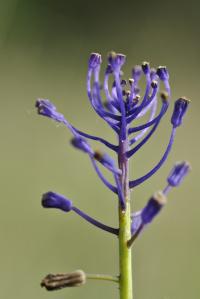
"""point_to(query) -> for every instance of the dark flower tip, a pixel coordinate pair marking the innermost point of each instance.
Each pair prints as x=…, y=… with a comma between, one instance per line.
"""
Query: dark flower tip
x=131, y=81
x=54, y=282
x=109, y=69
x=146, y=67
x=44, y=105
x=178, y=173
x=154, y=84
x=116, y=60
x=55, y=200
x=46, y=108
x=180, y=108
x=94, y=60
x=153, y=207
x=103, y=158
x=162, y=73
x=164, y=96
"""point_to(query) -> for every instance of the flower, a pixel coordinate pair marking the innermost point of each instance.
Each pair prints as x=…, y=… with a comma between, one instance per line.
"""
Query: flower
x=180, y=108
x=153, y=207
x=55, y=200
x=46, y=108
x=178, y=173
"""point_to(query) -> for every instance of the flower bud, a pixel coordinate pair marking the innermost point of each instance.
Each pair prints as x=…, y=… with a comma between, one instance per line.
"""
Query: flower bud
x=116, y=60
x=103, y=158
x=180, y=108
x=153, y=207
x=46, y=108
x=162, y=73
x=146, y=67
x=57, y=201
x=94, y=60
x=58, y=281
x=81, y=144
x=178, y=172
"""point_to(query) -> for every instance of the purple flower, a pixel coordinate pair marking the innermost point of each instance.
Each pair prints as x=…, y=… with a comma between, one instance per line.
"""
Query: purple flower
x=116, y=60
x=142, y=218
x=46, y=108
x=153, y=207
x=180, y=108
x=178, y=173
x=146, y=68
x=57, y=201
x=162, y=73
x=81, y=144
x=94, y=60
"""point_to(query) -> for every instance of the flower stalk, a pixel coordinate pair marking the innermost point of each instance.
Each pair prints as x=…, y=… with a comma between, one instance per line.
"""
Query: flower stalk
x=125, y=257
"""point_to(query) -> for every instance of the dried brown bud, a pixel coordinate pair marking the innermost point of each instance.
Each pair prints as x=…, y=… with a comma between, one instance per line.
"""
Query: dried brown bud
x=164, y=96
x=62, y=280
x=98, y=155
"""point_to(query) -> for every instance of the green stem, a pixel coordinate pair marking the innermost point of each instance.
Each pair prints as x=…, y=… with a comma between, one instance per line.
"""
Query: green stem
x=125, y=281
x=103, y=277
x=125, y=260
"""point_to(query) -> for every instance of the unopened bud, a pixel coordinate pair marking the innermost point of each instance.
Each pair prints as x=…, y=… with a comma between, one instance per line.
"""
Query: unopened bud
x=178, y=173
x=146, y=67
x=180, y=108
x=162, y=73
x=94, y=60
x=153, y=207
x=63, y=280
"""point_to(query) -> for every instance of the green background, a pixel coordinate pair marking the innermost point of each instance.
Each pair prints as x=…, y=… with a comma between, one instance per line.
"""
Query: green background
x=44, y=48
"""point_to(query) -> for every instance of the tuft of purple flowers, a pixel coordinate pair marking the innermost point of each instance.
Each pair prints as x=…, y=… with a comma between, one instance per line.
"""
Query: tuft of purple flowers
x=125, y=104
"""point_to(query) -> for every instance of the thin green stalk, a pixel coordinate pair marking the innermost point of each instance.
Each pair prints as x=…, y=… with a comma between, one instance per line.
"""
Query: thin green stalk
x=103, y=277
x=125, y=259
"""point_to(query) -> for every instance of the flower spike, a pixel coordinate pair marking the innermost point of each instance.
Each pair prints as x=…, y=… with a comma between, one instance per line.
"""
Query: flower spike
x=121, y=104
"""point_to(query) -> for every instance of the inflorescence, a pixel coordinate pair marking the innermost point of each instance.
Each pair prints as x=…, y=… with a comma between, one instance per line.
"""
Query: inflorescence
x=124, y=105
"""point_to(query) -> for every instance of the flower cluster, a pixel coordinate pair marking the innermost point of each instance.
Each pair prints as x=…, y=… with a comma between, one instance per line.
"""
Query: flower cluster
x=124, y=105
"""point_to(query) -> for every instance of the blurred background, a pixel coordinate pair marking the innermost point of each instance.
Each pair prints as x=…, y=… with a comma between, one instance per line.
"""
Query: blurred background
x=44, y=49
